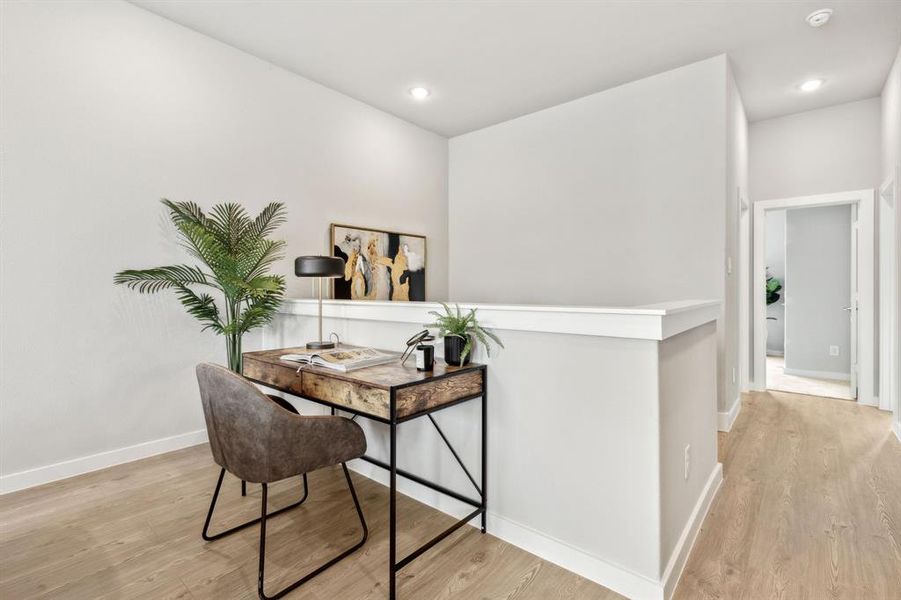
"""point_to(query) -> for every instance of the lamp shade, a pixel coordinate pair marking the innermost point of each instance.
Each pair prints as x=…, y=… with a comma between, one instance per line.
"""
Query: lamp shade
x=318, y=266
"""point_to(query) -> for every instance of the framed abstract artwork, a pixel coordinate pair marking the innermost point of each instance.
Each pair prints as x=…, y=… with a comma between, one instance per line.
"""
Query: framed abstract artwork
x=379, y=265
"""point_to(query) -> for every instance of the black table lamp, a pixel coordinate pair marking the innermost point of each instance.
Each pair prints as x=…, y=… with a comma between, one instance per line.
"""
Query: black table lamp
x=321, y=267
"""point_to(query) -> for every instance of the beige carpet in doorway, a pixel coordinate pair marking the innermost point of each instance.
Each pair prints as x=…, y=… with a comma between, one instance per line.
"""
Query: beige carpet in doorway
x=776, y=379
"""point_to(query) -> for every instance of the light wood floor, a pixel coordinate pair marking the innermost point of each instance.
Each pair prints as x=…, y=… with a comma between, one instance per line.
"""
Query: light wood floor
x=810, y=507
x=133, y=531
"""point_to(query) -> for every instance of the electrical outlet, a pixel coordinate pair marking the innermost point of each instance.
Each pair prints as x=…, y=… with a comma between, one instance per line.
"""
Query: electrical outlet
x=687, y=460
x=733, y=374
x=833, y=350
x=728, y=265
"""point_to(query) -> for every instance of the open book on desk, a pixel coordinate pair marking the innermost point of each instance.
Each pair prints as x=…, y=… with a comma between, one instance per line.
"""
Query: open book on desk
x=342, y=359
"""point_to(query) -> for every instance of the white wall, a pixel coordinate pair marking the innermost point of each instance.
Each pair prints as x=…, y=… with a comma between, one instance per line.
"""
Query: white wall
x=737, y=238
x=833, y=149
x=818, y=280
x=775, y=263
x=687, y=418
x=891, y=167
x=589, y=202
x=105, y=108
x=620, y=197
x=891, y=119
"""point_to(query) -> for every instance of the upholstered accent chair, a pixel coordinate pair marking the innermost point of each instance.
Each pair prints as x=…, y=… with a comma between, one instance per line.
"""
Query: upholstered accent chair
x=260, y=441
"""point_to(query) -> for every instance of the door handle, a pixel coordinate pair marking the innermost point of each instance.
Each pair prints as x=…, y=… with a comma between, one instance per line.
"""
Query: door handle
x=847, y=308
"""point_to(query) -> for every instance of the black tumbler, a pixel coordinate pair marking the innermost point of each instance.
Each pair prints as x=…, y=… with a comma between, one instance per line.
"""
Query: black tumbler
x=425, y=357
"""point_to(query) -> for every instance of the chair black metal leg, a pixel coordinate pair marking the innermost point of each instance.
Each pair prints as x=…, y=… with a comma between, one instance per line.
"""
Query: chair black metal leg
x=243, y=488
x=263, y=518
x=209, y=516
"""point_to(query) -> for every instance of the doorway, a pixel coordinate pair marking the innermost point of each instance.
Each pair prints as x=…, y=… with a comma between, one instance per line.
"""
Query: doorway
x=824, y=310
x=808, y=292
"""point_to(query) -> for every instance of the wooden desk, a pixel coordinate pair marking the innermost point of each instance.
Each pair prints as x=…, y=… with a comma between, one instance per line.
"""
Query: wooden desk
x=390, y=394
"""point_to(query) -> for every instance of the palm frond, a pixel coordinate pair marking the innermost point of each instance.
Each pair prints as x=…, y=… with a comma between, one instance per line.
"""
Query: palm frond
x=202, y=307
x=262, y=256
x=149, y=281
x=273, y=216
x=204, y=245
x=261, y=307
x=232, y=220
x=185, y=212
x=264, y=285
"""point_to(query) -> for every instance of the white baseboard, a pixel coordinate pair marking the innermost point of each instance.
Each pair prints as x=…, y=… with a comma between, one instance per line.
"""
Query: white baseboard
x=421, y=493
x=818, y=374
x=725, y=420
x=619, y=579
x=686, y=542
x=85, y=464
x=614, y=577
x=775, y=352
x=896, y=427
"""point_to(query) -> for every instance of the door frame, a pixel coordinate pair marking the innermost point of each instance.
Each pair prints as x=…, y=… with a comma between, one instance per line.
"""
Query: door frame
x=866, y=269
x=889, y=293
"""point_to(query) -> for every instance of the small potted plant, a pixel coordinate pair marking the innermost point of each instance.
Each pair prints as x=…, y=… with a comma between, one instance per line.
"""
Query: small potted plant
x=459, y=332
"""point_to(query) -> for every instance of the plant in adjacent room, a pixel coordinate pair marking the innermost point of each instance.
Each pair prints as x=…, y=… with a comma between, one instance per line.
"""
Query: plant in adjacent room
x=236, y=253
x=458, y=331
x=773, y=286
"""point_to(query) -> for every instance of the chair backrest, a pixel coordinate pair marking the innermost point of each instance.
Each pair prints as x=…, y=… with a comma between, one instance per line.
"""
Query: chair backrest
x=238, y=420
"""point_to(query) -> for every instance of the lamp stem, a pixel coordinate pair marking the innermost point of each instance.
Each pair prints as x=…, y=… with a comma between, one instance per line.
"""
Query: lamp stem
x=320, y=310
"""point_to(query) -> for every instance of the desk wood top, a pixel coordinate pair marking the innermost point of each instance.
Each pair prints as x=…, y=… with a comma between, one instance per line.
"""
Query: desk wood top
x=368, y=390
x=385, y=376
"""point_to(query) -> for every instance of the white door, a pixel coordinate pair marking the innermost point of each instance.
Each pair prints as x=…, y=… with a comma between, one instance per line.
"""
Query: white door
x=853, y=301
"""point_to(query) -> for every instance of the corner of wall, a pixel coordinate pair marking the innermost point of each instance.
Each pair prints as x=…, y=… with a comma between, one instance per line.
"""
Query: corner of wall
x=735, y=243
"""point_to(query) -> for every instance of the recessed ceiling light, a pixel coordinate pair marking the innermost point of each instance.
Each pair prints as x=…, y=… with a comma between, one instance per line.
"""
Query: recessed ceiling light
x=811, y=85
x=818, y=18
x=420, y=93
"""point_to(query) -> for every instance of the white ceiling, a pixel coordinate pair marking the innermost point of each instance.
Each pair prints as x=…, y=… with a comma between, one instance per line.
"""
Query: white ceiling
x=489, y=61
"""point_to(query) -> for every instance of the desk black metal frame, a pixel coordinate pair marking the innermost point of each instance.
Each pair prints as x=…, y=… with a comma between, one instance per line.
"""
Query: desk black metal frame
x=480, y=505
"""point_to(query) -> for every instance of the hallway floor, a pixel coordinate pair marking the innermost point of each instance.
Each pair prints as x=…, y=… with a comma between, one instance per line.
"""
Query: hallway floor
x=810, y=507
x=777, y=379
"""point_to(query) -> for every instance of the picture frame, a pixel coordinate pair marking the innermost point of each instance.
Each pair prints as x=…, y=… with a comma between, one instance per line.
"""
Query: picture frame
x=379, y=264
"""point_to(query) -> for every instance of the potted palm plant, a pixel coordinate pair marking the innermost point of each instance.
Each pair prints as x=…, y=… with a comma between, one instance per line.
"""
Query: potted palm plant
x=236, y=253
x=459, y=332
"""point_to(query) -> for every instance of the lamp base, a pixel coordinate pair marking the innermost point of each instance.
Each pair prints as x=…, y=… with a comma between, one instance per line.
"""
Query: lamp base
x=320, y=345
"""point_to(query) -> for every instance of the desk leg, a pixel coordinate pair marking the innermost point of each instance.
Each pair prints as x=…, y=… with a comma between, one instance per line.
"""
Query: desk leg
x=392, y=507
x=484, y=450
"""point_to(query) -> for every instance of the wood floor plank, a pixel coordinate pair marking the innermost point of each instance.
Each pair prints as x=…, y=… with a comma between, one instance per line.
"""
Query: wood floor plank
x=809, y=508
x=133, y=531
